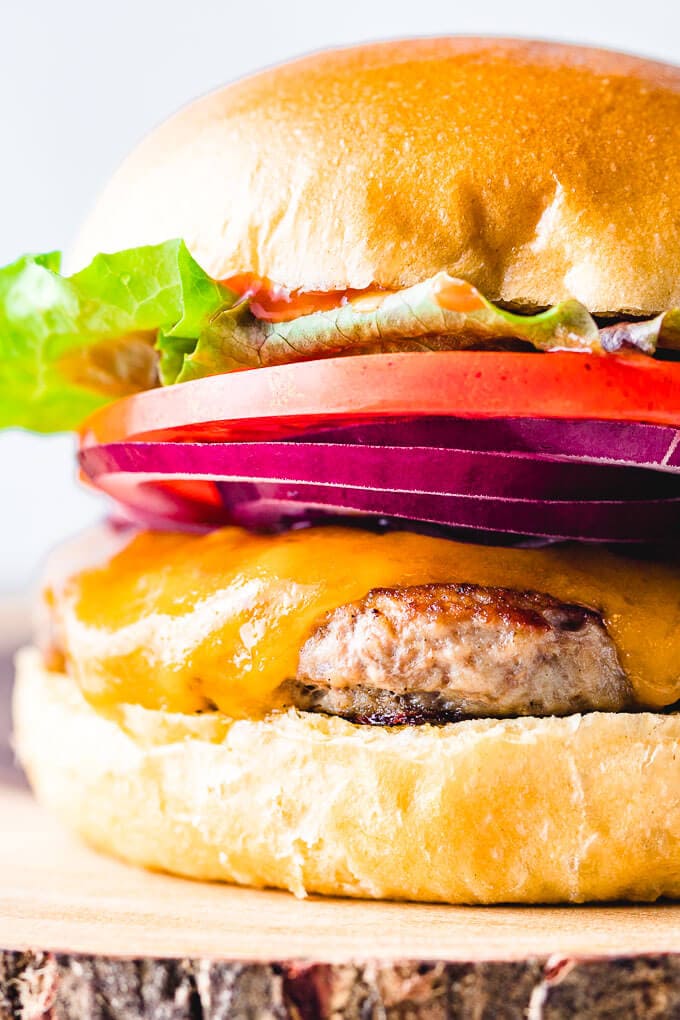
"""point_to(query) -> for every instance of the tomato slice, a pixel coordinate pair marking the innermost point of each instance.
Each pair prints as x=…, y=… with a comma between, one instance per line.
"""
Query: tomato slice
x=282, y=400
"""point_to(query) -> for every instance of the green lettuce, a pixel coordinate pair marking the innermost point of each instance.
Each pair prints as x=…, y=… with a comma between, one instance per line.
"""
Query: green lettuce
x=151, y=315
x=647, y=336
x=70, y=344
x=407, y=320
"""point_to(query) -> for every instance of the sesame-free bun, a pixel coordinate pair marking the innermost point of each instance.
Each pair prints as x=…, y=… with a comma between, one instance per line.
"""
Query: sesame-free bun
x=518, y=810
x=535, y=171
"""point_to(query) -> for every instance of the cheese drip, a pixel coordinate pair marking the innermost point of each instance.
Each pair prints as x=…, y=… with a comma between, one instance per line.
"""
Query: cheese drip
x=192, y=623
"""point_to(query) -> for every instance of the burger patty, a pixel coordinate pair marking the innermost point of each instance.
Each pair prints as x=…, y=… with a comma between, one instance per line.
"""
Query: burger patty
x=441, y=652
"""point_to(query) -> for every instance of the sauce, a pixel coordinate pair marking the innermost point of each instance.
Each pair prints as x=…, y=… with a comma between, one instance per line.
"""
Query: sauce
x=274, y=303
x=189, y=623
x=457, y=296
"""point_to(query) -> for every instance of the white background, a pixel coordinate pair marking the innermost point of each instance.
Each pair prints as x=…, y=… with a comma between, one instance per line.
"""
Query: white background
x=81, y=81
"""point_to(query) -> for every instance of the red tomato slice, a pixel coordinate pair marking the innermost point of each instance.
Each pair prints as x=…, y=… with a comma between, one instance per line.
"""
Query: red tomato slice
x=283, y=400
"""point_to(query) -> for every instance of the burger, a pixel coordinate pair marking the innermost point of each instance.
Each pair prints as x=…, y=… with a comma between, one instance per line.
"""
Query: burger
x=374, y=354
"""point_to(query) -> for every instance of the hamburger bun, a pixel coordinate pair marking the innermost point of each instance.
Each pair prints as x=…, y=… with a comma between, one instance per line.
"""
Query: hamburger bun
x=535, y=171
x=483, y=811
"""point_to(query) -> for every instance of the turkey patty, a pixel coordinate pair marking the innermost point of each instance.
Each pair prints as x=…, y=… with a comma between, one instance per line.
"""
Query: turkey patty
x=441, y=652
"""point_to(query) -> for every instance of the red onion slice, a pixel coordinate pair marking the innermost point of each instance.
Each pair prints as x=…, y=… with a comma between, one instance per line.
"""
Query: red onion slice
x=411, y=469
x=593, y=480
x=266, y=506
x=623, y=444
x=257, y=483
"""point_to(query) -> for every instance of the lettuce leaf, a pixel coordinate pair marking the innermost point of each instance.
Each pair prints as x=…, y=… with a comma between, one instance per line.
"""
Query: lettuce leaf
x=407, y=320
x=70, y=344
x=151, y=315
x=662, y=331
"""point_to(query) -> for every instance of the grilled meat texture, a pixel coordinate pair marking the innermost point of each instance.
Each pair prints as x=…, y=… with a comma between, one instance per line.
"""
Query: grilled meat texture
x=442, y=652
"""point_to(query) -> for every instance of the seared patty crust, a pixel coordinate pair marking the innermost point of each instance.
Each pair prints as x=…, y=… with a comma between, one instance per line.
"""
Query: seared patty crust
x=441, y=652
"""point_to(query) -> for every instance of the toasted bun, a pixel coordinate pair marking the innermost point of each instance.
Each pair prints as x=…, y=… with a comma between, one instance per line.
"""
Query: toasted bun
x=521, y=810
x=535, y=171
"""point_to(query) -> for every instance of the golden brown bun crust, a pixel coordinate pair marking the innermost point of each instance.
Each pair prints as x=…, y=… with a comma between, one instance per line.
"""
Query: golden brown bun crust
x=536, y=171
x=531, y=810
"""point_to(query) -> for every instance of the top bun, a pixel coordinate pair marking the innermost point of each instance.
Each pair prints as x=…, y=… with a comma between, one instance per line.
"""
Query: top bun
x=535, y=171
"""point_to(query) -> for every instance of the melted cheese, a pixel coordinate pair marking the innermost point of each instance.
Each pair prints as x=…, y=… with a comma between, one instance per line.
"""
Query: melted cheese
x=188, y=623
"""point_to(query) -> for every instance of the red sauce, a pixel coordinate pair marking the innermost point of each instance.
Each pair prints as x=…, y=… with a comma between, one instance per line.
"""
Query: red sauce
x=274, y=303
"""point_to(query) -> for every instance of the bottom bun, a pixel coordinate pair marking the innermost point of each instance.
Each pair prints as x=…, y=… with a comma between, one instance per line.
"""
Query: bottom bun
x=485, y=811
